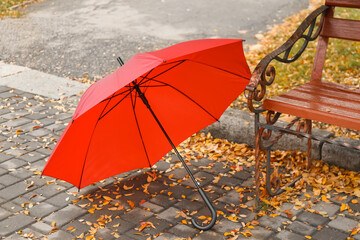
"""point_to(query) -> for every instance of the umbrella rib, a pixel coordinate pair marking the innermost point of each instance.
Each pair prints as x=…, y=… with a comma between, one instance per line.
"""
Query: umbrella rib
x=145, y=77
x=92, y=134
x=166, y=84
x=116, y=95
x=138, y=127
x=103, y=115
x=221, y=69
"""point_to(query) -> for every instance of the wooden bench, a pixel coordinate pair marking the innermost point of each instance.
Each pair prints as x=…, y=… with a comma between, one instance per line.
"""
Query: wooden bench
x=317, y=100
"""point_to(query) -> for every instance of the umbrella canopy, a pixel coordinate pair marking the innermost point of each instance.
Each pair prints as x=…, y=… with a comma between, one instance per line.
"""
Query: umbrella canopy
x=133, y=117
x=188, y=85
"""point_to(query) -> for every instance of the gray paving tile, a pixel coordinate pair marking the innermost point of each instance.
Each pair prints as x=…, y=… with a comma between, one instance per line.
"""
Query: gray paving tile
x=13, y=191
x=14, y=224
x=152, y=207
x=312, y=218
x=183, y=230
x=41, y=227
x=162, y=200
x=8, y=180
x=329, y=234
x=301, y=228
x=343, y=223
x=65, y=215
x=41, y=210
x=136, y=215
x=171, y=214
x=272, y=222
x=4, y=213
x=329, y=208
x=286, y=235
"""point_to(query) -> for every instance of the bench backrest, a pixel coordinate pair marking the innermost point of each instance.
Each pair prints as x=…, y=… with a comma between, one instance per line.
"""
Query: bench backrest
x=334, y=28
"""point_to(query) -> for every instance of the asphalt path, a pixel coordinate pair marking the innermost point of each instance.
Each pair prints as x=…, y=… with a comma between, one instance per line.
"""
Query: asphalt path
x=83, y=38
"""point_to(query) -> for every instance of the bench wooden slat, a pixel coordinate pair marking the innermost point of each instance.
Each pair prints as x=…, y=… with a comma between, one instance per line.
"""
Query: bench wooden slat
x=341, y=28
x=312, y=106
x=344, y=3
x=351, y=96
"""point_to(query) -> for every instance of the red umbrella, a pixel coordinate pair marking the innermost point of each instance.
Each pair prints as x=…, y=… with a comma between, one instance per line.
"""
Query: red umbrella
x=126, y=120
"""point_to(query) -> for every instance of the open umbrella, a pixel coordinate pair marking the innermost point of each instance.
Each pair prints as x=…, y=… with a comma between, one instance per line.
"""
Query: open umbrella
x=126, y=120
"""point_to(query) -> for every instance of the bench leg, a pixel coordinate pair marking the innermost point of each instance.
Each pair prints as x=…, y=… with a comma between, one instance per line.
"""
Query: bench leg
x=257, y=159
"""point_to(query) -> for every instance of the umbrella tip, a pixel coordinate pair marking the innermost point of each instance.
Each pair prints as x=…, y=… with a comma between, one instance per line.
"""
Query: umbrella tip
x=121, y=62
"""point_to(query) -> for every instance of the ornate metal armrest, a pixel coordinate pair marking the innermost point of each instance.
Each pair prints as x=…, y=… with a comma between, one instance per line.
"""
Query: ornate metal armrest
x=264, y=75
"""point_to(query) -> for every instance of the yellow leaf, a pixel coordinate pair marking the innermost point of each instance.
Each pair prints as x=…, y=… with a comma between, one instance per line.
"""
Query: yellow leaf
x=131, y=203
x=128, y=188
x=183, y=196
x=343, y=207
x=108, y=198
x=169, y=193
x=184, y=221
x=357, y=192
x=308, y=237
x=53, y=224
x=354, y=201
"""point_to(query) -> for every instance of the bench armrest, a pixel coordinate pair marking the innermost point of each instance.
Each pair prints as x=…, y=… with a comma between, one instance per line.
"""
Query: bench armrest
x=264, y=75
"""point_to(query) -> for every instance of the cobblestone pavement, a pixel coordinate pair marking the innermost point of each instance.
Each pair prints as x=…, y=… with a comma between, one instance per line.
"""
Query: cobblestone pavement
x=137, y=205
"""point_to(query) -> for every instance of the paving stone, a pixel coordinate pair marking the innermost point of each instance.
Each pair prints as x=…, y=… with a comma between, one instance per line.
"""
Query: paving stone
x=22, y=173
x=3, y=171
x=216, y=168
x=41, y=132
x=41, y=227
x=301, y=228
x=61, y=234
x=121, y=225
x=272, y=222
x=4, y=213
x=340, y=198
x=11, y=207
x=77, y=227
x=17, y=122
x=61, y=200
x=228, y=181
x=312, y=218
x=153, y=207
x=160, y=226
x=41, y=210
x=286, y=235
x=28, y=233
x=65, y=215
x=287, y=210
x=32, y=156
x=50, y=190
x=343, y=223
x=4, y=157
x=136, y=215
x=14, y=224
x=329, y=234
x=104, y=233
x=171, y=214
x=167, y=236
x=15, y=151
x=183, y=230
x=8, y=180
x=225, y=226
x=36, y=116
x=55, y=127
x=188, y=205
x=259, y=233
x=179, y=191
x=329, y=208
x=243, y=175
x=208, y=235
x=203, y=178
x=15, y=115
x=231, y=197
x=13, y=163
x=13, y=191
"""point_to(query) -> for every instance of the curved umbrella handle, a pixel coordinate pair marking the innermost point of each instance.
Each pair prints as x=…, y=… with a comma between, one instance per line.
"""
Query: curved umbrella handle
x=212, y=210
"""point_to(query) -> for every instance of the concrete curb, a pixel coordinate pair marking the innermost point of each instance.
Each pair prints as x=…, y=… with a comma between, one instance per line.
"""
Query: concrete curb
x=238, y=126
x=37, y=82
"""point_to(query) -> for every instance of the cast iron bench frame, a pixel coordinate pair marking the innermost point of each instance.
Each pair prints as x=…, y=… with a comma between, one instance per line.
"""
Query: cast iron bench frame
x=264, y=75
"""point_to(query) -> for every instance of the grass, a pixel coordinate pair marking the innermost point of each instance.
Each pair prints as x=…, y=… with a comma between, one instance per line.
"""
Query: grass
x=341, y=66
x=7, y=7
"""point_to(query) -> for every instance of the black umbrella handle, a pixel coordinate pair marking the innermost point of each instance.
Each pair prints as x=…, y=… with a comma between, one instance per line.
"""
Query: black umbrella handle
x=202, y=193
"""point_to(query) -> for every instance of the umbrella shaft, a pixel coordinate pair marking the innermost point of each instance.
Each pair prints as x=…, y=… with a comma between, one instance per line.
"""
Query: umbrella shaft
x=146, y=102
